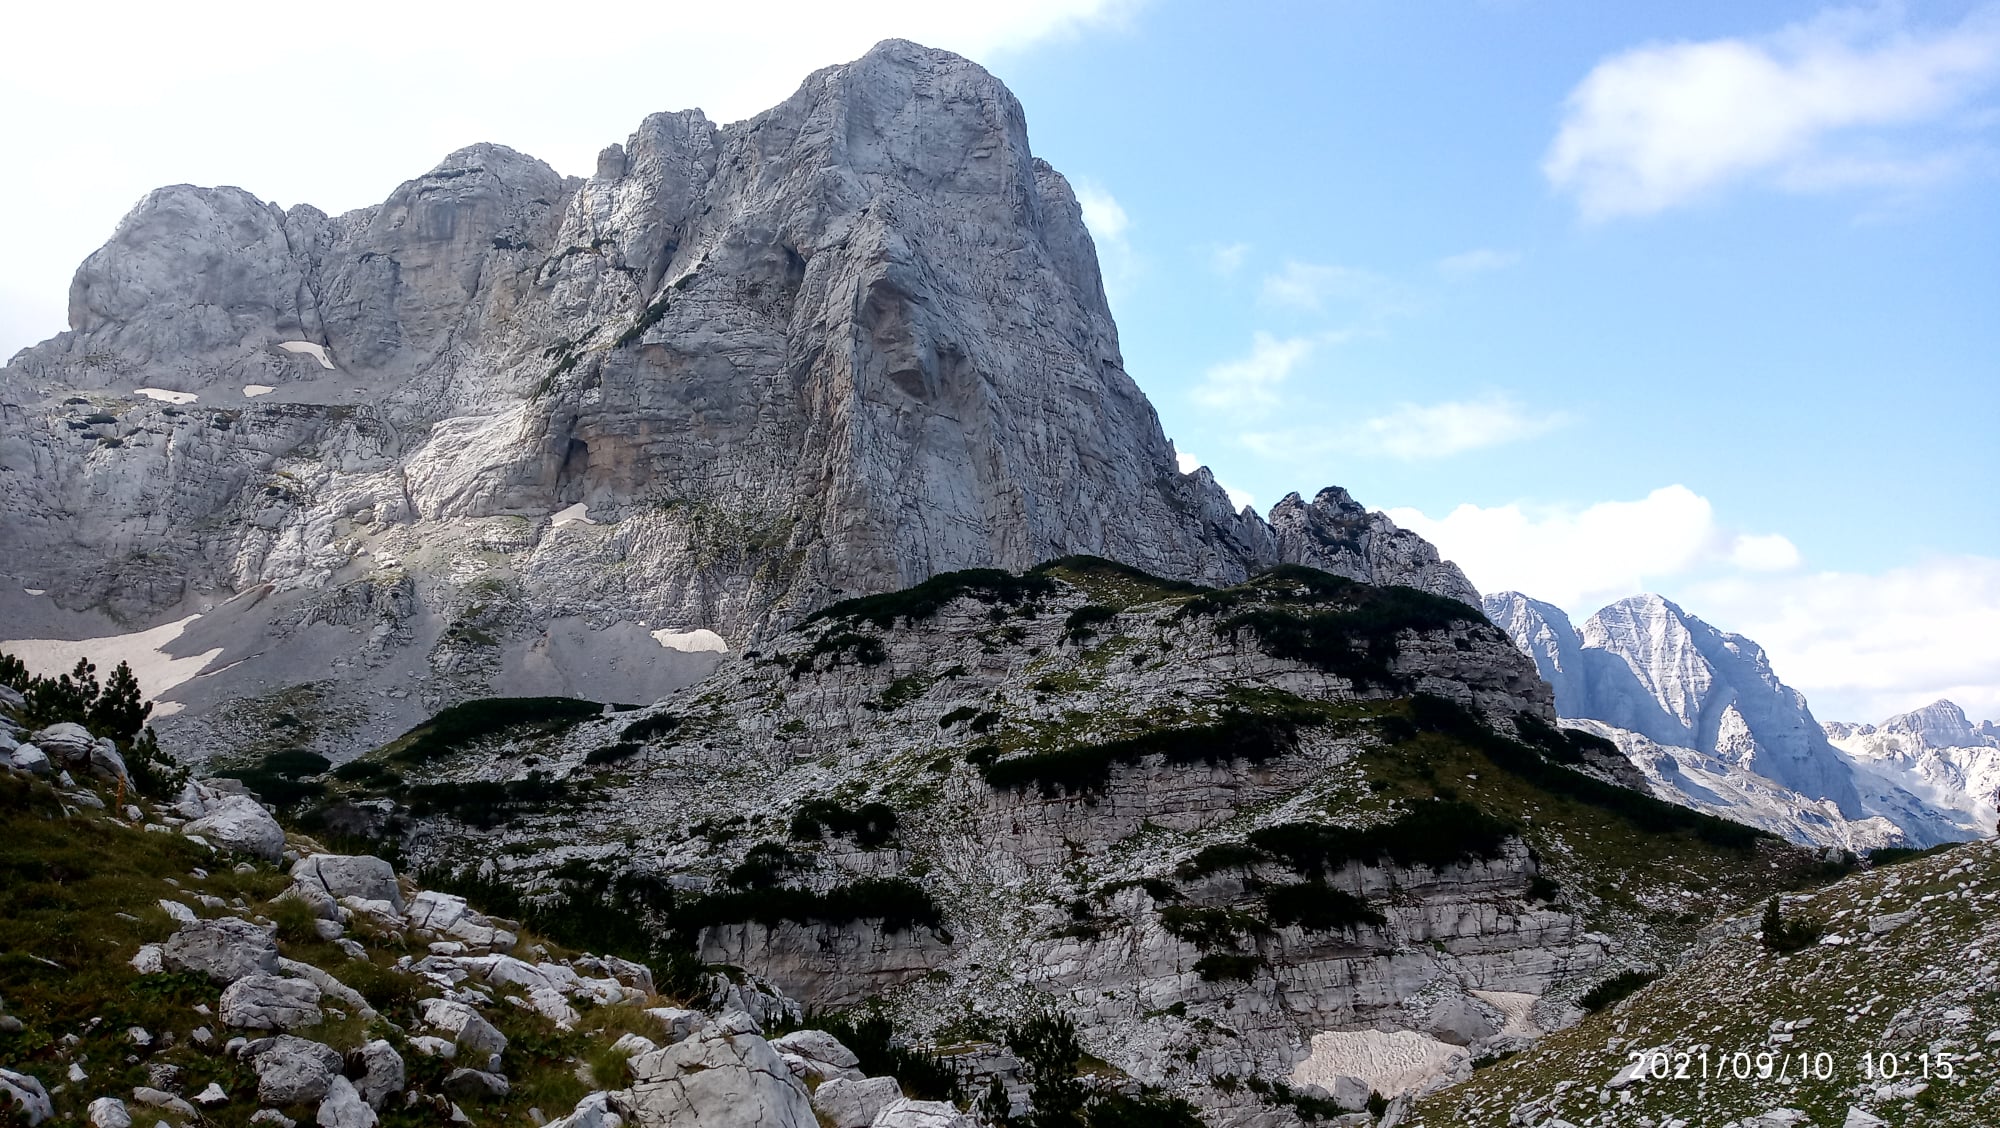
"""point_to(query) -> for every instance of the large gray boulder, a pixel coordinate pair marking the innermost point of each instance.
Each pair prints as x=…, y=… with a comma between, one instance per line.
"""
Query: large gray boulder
x=108, y=1112
x=593, y=1111
x=343, y=875
x=382, y=1074
x=344, y=1107
x=906, y=1113
x=241, y=824
x=225, y=949
x=32, y=760
x=270, y=1002
x=825, y=1058
x=29, y=1100
x=68, y=744
x=294, y=1070
x=718, y=1080
x=843, y=1103
x=467, y=1027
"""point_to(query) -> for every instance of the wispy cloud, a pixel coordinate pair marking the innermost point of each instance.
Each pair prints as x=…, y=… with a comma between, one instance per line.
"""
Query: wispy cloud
x=1479, y=261
x=1413, y=432
x=1226, y=260
x=1249, y=385
x=1665, y=124
x=1312, y=286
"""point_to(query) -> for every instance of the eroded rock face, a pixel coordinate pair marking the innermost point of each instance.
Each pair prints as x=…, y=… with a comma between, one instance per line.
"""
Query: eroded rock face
x=840, y=347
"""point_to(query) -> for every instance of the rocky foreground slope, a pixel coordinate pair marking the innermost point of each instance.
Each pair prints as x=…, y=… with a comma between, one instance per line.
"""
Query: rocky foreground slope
x=1883, y=1009
x=1297, y=840
x=501, y=432
x=187, y=962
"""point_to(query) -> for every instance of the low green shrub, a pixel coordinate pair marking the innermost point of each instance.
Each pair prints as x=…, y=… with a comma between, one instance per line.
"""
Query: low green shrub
x=925, y=600
x=1316, y=907
x=1613, y=989
x=872, y=826
x=1086, y=769
x=901, y=905
x=460, y=725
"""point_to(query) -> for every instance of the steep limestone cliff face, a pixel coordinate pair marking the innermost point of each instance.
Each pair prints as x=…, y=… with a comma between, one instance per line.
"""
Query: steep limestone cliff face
x=847, y=344
x=1214, y=826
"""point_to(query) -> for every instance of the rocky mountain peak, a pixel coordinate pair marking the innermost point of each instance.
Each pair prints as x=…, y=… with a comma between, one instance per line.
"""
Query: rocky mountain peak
x=500, y=428
x=1941, y=724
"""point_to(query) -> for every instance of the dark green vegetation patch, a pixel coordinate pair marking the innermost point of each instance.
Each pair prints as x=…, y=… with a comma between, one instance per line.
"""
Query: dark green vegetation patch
x=899, y=904
x=922, y=602
x=460, y=725
x=1431, y=714
x=871, y=826
x=1085, y=769
x=1613, y=989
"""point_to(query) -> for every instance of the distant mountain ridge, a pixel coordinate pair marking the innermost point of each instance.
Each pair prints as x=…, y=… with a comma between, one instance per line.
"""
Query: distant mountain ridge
x=1936, y=752
x=1702, y=712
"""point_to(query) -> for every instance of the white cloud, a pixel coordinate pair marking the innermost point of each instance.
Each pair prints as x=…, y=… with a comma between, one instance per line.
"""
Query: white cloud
x=1770, y=552
x=158, y=72
x=1665, y=124
x=1478, y=261
x=1311, y=286
x=1576, y=558
x=1412, y=431
x=1438, y=430
x=1860, y=646
x=1227, y=260
x=1101, y=211
x=1249, y=385
x=1864, y=646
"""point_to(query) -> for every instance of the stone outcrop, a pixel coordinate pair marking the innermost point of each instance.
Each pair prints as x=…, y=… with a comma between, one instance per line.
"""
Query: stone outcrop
x=511, y=432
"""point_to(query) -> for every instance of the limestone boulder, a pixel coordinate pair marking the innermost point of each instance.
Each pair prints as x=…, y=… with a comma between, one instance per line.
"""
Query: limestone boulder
x=825, y=1058
x=343, y=875
x=382, y=1074
x=467, y=1027
x=29, y=1100
x=906, y=1113
x=225, y=949
x=842, y=1103
x=718, y=1080
x=241, y=824
x=270, y=1002
x=343, y=1107
x=294, y=1070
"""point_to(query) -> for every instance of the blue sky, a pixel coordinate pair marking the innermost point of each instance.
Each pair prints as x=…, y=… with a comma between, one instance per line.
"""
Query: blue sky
x=1698, y=298
x=1342, y=250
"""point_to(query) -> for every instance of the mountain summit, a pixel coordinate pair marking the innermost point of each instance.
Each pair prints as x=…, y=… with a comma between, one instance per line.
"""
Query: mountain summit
x=495, y=432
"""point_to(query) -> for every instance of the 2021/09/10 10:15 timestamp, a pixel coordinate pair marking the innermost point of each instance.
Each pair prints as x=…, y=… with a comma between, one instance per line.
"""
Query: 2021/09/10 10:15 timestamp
x=1706, y=1064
